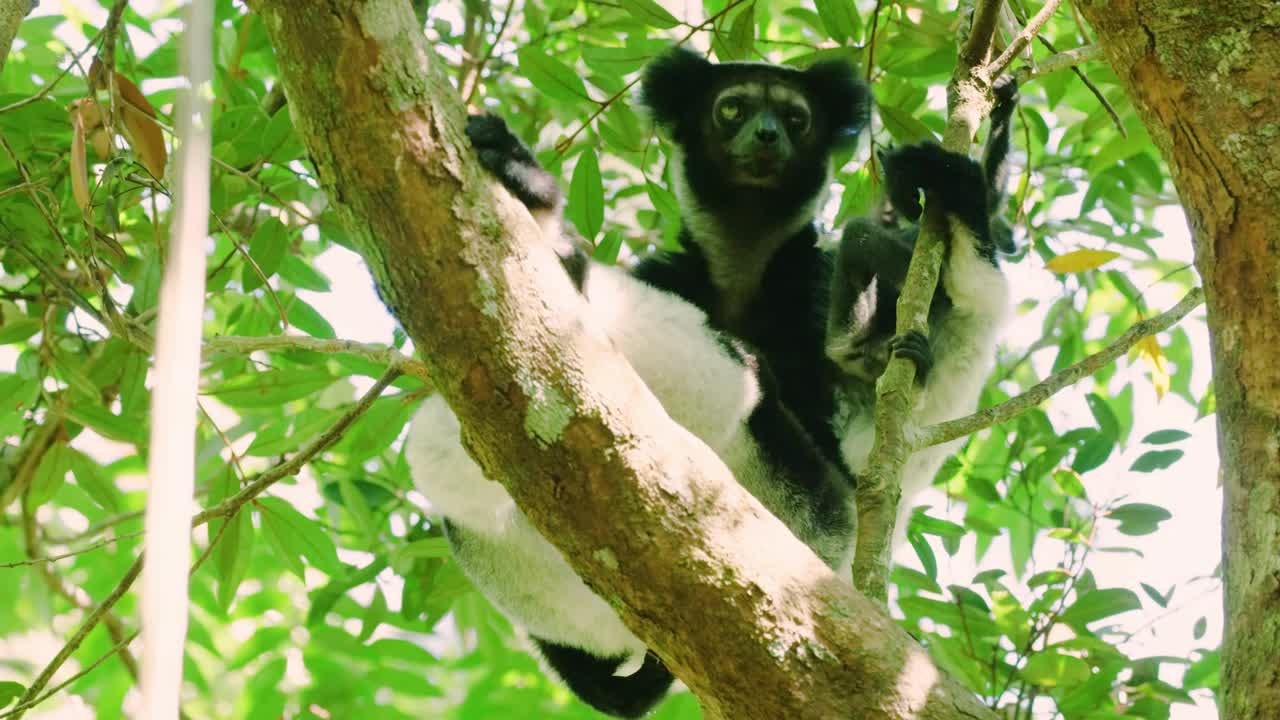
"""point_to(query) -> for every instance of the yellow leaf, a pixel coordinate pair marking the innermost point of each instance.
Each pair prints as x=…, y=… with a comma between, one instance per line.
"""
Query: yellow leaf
x=1150, y=349
x=1081, y=261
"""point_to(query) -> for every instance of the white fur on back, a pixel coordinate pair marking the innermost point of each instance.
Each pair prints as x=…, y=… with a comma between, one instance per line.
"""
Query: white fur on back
x=700, y=384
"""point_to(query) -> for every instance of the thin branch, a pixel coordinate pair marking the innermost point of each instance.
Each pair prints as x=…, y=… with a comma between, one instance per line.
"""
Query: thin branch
x=472, y=80
x=294, y=464
x=49, y=86
x=55, y=558
x=381, y=354
x=564, y=143
x=226, y=508
x=995, y=67
x=86, y=626
x=1059, y=61
x=981, y=30
x=1038, y=393
x=73, y=593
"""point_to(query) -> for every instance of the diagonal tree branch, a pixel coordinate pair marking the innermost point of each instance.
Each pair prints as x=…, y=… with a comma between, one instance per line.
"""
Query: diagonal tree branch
x=1043, y=390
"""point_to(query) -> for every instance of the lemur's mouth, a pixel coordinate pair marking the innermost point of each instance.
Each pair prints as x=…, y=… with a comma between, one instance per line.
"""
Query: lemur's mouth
x=759, y=169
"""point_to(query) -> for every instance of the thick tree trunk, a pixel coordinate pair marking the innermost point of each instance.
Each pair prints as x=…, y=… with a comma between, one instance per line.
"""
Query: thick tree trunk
x=742, y=611
x=1204, y=75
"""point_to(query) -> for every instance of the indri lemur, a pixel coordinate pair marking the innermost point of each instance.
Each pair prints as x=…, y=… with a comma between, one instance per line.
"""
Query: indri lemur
x=730, y=335
x=968, y=309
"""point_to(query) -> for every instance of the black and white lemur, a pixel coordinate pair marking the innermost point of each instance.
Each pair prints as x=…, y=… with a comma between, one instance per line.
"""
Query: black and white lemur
x=731, y=335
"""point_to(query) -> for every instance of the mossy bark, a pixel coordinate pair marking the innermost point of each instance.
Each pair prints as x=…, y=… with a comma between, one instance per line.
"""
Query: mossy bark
x=1203, y=76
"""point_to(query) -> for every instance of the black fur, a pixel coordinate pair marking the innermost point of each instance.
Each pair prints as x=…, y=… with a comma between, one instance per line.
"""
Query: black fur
x=592, y=680
x=872, y=259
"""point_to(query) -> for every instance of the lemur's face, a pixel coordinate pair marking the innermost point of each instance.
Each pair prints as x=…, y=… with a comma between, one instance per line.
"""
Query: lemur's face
x=761, y=127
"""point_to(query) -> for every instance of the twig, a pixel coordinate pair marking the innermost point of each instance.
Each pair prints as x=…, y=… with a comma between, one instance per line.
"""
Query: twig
x=473, y=77
x=995, y=67
x=564, y=143
x=73, y=553
x=380, y=354
x=72, y=593
x=1059, y=61
x=226, y=508
x=294, y=464
x=49, y=86
x=1038, y=393
x=86, y=626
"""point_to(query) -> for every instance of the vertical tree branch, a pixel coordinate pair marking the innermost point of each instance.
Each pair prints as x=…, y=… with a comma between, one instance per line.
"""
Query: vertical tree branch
x=879, y=488
x=171, y=469
x=11, y=14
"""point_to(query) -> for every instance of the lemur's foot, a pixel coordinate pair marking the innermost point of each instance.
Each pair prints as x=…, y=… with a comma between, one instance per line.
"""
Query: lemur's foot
x=914, y=346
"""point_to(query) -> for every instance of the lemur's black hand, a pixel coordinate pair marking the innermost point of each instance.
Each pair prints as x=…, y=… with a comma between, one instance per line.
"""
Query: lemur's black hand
x=512, y=163
x=914, y=346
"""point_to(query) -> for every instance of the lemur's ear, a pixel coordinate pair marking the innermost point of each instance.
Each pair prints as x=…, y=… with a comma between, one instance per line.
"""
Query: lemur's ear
x=844, y=99
x=670, y=84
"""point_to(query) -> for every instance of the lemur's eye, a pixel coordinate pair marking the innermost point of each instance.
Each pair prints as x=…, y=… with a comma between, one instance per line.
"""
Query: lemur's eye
x=797, y=119
x=729, y=110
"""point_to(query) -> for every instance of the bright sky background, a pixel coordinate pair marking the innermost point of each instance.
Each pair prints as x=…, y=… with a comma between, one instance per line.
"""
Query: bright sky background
x=1187, y=546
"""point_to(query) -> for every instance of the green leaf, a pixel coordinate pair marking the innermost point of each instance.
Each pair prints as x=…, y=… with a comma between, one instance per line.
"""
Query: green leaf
x=270, y=389
x=106, y=424
x=18, y=329
x=649, y=12
x=1156, y=597
x=1049, y=577
x=94, y=481
x=50, y=474
x=295, y=536
x=741, y=39
x=586, y=195
x=607, y=251
x=840, y=18
x=904, y=126
x=10, y=691
x=1107, y=421
x=550, y=76
x=1098, y=604
x=1139, y=518
x=235, y=543
x=263, y=641
x=927, y=560
x=1053, y=669
x=1164, y=437
x=1197, y=632
x=267, y=247
x=1155, y=460
x=304, y=317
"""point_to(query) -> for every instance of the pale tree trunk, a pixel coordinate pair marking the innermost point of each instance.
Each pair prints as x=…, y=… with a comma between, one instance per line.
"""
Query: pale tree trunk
x=1203, y=76
x=740, y=610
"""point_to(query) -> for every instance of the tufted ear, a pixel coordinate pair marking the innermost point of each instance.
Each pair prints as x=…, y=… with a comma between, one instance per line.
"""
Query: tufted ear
x=671, y=83
x=845, y=100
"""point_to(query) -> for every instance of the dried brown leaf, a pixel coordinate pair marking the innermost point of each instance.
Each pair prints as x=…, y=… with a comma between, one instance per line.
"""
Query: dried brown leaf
x=139, y=127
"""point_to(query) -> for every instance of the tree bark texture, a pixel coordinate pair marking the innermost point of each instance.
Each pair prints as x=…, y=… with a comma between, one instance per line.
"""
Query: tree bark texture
x=1203, y=76
x=739, y=609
